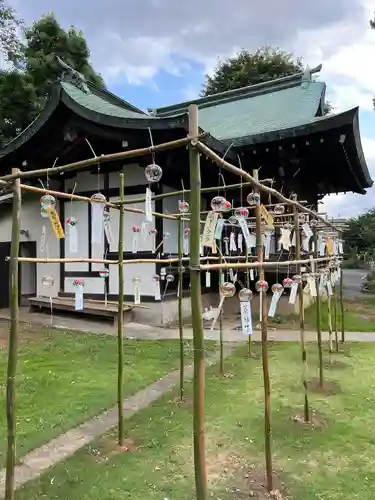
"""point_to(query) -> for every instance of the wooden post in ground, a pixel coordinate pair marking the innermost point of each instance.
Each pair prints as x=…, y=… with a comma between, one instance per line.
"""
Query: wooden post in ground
x=120, y=320
x=196, y=310
x=342, y=306
x=13, y=341
x=265, y=361
x=329, y=314
x=221, y=319
x=180, y=318
x=335, y=317
x=318, y=321
x=306, y=409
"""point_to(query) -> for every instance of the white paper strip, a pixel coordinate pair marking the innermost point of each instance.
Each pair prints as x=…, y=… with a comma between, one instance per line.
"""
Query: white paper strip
x=232, y=242
x=293, y=293
x=208, y=239
x=307, y=230
x=73, y=239
x=137, y=293
x=329, y=288
x=312, y=286
x=252, y=274
x=240, y=242
x=260, y=306
x=43, y=240
x=97, y=212
x=267, y=245
x=246, y=321
x=79, y=298
x=284, y=240
x=245, y=232
x=208, y=279
x=135, y=242
x=273, y=305
x=186, y=244
x=108, y=229
x=157, y=294
x=148, y=205
x=219, y=229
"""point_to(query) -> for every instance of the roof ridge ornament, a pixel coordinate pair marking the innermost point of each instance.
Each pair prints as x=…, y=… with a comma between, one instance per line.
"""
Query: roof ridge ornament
x=307, y=75
x=73, y=76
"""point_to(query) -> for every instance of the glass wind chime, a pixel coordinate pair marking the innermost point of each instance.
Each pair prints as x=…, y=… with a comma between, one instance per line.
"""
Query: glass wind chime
x=48, y=211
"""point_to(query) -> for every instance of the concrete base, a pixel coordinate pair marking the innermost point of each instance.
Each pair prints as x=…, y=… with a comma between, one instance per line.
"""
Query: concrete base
x=166, y=312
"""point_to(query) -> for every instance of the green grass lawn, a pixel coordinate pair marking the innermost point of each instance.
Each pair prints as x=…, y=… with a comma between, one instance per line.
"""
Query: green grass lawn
x=359, y=314
x=66, y=377
x=332, y=461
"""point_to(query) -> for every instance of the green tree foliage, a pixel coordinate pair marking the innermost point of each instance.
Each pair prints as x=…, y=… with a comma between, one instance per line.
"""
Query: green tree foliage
x=45, y=40
x=10, y=25
x=360, y=234
x=250, y=68
x=24, y=88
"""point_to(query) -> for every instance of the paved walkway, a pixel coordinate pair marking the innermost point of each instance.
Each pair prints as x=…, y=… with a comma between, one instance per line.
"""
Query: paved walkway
x=38, y=461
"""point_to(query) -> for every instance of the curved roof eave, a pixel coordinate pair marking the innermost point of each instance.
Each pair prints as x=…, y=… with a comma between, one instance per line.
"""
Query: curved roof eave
x=35, y=125
x=178, y=121
x=320, y=124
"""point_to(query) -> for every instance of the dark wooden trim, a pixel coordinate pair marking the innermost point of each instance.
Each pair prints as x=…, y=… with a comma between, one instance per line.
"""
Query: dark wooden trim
x=127, y=298
x=89, y=232
x=82, y=274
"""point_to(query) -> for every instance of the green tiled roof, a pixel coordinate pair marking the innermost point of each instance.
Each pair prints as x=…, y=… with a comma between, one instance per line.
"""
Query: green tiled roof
x=257, y=109
x=103, y=102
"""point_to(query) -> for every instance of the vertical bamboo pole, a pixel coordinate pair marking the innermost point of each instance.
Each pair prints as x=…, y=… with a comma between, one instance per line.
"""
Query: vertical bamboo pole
x=196, y=309
x=342, y=306
x=120, y=320
x=265, y=362
x=329, y=314
x=13, y=340
x=249, y=341
x=306, y=409
x=318, y=322
x=335, y=318
x=180, y=319
x=221, y=319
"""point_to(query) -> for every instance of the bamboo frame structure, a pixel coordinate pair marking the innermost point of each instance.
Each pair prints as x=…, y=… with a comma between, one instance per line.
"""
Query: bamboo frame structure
x=318, y=321
x=120, y=321
x=13, y=343
x=180, y=317
x=196, y=310
x=306, y=406
x=265, y=357
x=197, y=265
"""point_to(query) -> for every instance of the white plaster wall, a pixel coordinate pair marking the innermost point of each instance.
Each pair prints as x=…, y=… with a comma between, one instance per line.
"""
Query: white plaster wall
x=33, y=222
x=79, y=210
x=143, y=271
x=133, y=176
x=85, y=181
x=131, y=219
x=91, y=285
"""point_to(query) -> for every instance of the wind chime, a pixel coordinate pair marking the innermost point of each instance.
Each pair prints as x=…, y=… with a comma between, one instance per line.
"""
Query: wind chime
x=78, y=294
x=48, y=210
x=227, y=289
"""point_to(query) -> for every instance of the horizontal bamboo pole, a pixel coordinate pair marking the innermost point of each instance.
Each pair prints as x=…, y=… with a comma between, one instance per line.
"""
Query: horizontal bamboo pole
x=229, y=187
x=273, y=192
x=59, y=260
x=83, y=164
x=76, y=197
x=252, y=265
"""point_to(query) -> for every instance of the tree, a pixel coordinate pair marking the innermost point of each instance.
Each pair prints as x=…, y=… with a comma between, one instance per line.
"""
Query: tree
x=250, y=68
x=10, y=45
x=45, y=40
x=360, y=233
x=24, y=88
